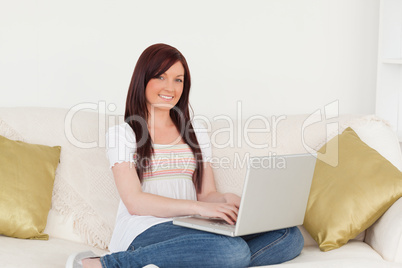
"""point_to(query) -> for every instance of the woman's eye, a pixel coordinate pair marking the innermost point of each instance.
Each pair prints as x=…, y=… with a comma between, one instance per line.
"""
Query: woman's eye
x=179, y=80
x=160, y=77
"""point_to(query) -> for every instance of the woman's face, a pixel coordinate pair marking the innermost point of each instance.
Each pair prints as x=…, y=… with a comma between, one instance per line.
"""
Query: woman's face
x=163, y=92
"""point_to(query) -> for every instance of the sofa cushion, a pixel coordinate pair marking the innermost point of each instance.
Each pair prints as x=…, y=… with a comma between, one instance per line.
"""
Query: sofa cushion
x=348, y=197
x=27, y=173
x=385, y=236
x=353, y=254
x=379, y=135
x=52, y=253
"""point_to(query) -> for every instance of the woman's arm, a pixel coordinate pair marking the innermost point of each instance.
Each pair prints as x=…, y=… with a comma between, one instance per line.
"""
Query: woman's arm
x=210, y=194
x=139, y=203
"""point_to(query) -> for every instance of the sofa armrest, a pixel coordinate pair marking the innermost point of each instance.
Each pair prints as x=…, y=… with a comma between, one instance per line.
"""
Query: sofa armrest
x=385, y=235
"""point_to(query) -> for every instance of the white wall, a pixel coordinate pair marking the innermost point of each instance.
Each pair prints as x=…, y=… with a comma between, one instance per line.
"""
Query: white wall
x=276, y=56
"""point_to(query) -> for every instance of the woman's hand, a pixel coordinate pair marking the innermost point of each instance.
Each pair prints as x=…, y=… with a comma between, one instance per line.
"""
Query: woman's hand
x=232, y=199
x=225, y=211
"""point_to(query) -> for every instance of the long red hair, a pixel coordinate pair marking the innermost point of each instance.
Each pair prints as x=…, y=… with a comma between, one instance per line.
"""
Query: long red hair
x=153, y=62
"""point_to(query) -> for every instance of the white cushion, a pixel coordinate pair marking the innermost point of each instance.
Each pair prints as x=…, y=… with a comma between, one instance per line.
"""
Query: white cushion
x=378, y=134
x=353, y=254
x=385, y=236
x=61, y=226
x=52, y=253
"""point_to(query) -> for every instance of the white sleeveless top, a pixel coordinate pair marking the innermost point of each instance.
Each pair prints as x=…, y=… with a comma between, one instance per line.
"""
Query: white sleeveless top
x=172, y=167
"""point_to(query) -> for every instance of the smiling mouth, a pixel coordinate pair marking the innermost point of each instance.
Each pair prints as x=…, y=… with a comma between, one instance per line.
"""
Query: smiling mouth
x=165, y=97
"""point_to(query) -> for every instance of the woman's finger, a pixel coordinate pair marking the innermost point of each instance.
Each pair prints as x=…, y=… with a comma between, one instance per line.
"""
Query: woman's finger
x=233, y=208
x=226, y=218
x=229, y=212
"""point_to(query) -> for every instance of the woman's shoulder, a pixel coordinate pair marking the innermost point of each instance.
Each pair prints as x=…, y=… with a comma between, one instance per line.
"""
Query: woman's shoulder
x=201, y=131
x=198, y=126
x=123, y=130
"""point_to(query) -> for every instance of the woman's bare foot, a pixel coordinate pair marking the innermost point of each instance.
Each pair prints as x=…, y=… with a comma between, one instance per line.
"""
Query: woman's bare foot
x=91, y=263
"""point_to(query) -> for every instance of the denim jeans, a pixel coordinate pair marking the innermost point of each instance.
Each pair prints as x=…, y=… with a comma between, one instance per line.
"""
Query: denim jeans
x=168, y=245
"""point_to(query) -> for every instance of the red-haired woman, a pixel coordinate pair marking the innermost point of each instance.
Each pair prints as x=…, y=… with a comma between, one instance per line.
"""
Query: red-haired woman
x=159, y=160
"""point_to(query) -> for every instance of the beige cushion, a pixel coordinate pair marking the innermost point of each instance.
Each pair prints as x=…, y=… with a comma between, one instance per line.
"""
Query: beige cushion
x=27, y=173
x=347, y=198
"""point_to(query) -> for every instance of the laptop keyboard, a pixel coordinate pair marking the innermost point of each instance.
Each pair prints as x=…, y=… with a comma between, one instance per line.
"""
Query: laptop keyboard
x=223, y=224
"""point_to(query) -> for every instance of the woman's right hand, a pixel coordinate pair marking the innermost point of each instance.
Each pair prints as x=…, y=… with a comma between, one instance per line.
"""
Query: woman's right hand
x=225, y=211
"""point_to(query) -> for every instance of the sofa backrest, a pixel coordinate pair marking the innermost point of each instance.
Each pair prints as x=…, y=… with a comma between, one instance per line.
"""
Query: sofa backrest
x=234, y=141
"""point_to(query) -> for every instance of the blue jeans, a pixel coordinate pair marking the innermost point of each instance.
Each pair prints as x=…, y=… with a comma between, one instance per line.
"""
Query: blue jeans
x=168, y=245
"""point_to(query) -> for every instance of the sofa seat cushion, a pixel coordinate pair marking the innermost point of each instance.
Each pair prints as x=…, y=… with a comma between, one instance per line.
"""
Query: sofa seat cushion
x=52, y=253
x=353, y=254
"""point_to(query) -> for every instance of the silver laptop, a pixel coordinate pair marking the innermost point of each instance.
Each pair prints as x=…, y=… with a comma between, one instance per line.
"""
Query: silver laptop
x=275, y=196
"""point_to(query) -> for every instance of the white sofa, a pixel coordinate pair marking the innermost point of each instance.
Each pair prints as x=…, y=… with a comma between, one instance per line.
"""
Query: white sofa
x=85, y=200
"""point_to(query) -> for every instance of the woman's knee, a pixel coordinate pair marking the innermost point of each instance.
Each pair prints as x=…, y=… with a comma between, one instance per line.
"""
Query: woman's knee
x=296, y=242
x=278, y=246
x=234, y=252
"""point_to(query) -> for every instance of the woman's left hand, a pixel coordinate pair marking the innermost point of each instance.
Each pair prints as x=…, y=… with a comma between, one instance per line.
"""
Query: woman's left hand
x=232, y=199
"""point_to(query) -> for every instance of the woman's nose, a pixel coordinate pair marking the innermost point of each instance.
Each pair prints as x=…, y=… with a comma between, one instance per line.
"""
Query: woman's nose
x=169, y=85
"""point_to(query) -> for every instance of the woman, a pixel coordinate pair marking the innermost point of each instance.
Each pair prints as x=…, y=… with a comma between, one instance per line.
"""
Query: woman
x=161, y=169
